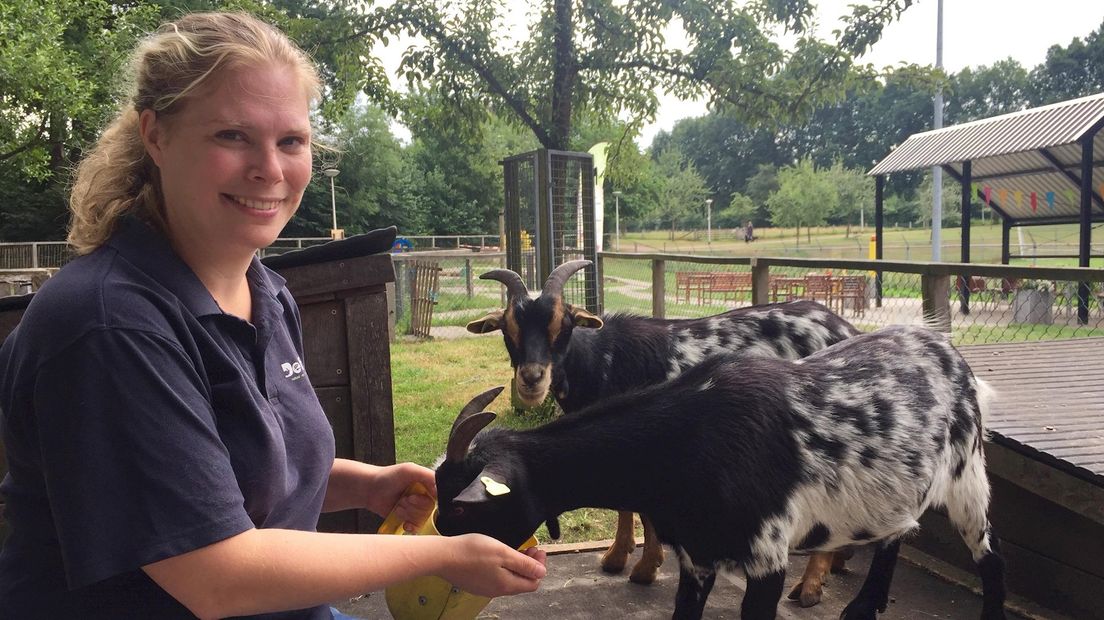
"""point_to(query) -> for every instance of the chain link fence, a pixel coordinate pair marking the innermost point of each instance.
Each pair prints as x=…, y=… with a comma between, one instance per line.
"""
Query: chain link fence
x=975, y=303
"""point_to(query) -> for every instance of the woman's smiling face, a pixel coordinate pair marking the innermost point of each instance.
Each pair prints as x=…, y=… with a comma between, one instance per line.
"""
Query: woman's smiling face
x=234, y=162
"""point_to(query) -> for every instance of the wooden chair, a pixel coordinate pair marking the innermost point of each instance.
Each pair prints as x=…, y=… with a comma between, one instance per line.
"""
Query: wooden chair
x=818, y=287
x=852, y=294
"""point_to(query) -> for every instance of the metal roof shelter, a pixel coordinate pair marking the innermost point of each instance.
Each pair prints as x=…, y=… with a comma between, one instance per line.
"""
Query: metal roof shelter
x=1039, y=166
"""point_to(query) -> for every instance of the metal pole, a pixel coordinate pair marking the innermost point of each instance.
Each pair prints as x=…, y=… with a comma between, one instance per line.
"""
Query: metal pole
x=617, y=219
x=937, y=172
x=709, y=221
x=333, y=203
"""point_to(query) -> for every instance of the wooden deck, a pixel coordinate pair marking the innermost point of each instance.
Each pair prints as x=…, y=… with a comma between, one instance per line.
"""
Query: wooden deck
x=1045, y=461
x=1050, y=400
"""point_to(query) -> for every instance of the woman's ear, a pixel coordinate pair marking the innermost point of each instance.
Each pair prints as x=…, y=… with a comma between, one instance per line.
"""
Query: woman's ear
x=153, y=134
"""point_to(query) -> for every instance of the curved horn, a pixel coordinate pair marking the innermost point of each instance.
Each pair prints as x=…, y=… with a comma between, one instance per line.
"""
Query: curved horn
x=480, y=402
x=463, y=432
x=556, y=280
x=467, y=425
x=515, y=286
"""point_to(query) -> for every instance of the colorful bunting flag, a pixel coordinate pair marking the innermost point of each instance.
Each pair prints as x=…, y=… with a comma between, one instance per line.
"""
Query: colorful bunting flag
x=1018, y=196
x=988, y=192
x=1069, y=197
x=1050, y=200
x=1034, y=203
x=1001, y=194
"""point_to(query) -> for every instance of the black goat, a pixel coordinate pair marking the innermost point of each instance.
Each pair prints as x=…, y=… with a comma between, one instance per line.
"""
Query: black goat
x=743, y=458
x=630, y=352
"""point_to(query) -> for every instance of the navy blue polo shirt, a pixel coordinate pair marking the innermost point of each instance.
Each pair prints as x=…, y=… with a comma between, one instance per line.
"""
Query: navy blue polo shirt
x=142, y=422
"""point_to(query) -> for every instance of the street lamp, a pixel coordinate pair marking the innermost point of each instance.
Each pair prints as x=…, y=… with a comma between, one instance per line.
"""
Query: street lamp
x=335, y=232
x=709, y=221
x=617, y=219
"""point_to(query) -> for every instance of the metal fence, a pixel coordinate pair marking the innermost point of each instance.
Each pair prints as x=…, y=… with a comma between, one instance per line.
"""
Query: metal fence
x=976, y=303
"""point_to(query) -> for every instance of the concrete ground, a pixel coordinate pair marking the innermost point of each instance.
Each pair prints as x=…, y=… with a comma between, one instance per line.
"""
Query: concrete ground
x=577, y=589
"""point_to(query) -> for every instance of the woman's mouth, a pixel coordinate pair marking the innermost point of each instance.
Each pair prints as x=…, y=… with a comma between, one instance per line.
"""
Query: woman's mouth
x=255, y=203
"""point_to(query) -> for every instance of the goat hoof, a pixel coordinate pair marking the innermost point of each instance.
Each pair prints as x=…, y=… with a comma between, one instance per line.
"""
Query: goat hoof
x=614, y=563
x=806, y=597
x=643, y=575
x=861, y=609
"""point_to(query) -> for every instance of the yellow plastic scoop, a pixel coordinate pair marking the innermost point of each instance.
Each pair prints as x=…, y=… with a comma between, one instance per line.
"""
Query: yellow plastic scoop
x=431, y=598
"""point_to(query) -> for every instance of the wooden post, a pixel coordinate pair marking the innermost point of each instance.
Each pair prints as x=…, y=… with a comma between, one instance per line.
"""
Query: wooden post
x=468, y=276
x=659, y=288
x=760, y=283
x=936, y=291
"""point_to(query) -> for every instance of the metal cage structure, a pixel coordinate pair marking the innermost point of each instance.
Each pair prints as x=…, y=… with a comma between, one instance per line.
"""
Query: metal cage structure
x=549, y=219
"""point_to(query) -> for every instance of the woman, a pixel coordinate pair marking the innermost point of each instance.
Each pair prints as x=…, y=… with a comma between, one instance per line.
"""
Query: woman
x=161, y=463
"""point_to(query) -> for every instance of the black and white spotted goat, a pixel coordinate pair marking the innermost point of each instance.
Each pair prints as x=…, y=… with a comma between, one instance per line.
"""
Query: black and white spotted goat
x=741, y=459
x=631, y=352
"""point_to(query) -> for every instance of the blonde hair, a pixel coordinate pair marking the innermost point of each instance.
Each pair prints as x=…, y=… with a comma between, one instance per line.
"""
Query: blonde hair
x=175, y=62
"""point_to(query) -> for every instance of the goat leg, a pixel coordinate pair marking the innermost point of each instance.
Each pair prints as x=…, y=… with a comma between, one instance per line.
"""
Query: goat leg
x=839, y=560
x=617, y=556
x=695, y=583
x=761, y=599
x=645, y=570
x=808, y=591
x=873, y=597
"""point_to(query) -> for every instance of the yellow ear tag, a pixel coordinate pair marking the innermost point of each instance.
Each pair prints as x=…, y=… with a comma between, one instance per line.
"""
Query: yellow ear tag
x=494, y=487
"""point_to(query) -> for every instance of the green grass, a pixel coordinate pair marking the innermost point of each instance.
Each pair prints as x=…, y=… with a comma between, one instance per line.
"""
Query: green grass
x=432, y=380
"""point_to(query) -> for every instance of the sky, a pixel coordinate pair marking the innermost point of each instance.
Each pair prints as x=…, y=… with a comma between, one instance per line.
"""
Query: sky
x=975, y=33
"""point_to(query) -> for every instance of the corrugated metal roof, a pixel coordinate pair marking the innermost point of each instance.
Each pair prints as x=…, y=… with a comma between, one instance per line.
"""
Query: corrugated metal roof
x=1045, y=127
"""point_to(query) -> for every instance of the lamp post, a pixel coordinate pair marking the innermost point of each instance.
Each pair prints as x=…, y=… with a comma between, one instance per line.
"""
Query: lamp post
x=335, y=232
x=617, y=219
x=709, y=221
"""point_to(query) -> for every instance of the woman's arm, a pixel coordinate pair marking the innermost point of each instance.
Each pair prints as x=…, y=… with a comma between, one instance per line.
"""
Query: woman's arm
x=354, y=484
x=267, y=570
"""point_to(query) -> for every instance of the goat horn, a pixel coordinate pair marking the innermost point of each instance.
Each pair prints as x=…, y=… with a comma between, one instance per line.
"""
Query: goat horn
x=463, y=432
x=555, y=283
x=471, y=420
x=515, y=286
x=480, y=402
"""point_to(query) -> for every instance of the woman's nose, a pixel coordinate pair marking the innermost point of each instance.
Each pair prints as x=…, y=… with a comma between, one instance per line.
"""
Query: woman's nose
x=266, y=167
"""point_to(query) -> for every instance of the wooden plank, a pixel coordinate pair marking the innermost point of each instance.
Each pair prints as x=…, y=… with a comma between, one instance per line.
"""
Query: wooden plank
x=324, y=343
x=1045, y=481
x=369, y=373
x=353, y=273
x=1050, y=398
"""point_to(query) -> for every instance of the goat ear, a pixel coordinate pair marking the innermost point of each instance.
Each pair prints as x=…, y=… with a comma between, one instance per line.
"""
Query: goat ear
x=485, y=486
x=582, y=318
x=491, y=322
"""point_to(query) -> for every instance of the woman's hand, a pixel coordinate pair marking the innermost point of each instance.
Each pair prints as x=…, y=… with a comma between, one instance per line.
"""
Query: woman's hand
x=380, y=489
x=486, y=567
x=384, y=493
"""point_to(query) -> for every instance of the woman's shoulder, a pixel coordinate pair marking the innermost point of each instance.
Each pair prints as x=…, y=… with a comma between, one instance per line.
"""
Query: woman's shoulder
x=97, y=291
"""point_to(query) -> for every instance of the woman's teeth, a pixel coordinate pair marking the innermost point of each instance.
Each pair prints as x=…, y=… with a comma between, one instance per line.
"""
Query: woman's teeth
x=259, y=205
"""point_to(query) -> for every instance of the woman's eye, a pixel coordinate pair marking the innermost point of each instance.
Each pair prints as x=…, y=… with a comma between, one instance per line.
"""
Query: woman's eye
x=293, y=142
x=233, y=136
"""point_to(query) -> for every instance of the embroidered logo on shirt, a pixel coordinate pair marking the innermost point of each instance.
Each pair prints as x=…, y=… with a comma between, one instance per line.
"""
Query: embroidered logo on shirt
x=293, y=371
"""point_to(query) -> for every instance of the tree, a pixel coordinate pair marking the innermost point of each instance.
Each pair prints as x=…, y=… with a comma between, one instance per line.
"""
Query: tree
x=609, y=58
x=1069, y=72
x=854, y=191
x=804, y=196
x=681, y=192
x=987, y=91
